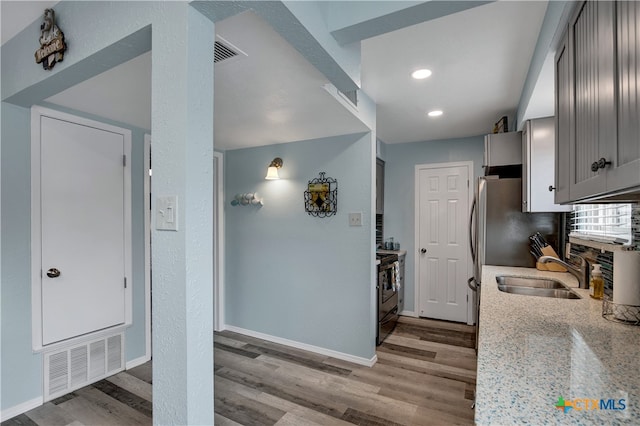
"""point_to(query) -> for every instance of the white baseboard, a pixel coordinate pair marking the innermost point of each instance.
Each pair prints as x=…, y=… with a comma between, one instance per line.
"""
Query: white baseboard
x=137, y=361
x=21, y=408
x=322, y=351
x=409, y=314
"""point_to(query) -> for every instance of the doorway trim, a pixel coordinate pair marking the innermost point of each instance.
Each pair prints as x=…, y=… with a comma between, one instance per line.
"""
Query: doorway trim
x=416, y=198
x=36, y=229
x=147, y=245
x=219, y=323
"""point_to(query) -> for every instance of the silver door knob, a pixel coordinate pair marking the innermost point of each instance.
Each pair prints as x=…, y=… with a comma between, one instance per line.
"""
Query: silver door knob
x=53, y=273
x=423, y=251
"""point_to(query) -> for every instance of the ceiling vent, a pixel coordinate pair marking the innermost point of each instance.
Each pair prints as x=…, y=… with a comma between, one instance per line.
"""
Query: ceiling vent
x=224, y=51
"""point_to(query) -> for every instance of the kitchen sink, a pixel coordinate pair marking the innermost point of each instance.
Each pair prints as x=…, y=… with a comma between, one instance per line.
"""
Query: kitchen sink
x=543, y=287
x=529, y=282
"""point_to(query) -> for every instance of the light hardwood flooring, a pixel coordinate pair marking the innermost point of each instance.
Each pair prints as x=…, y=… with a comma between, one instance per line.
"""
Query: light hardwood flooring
x=425, y=375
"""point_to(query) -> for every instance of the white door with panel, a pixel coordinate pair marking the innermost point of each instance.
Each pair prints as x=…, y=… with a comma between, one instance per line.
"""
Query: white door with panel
x=84, y=220
x=442, y=240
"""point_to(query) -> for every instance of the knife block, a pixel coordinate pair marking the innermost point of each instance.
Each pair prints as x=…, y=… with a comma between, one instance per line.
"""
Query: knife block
x=554, y=267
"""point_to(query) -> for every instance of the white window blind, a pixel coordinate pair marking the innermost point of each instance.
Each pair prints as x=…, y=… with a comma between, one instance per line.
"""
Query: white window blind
x=602, y=222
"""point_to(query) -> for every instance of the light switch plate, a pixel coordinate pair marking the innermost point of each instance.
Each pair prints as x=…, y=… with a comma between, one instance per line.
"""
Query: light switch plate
x=167, y=213
x=355, y=219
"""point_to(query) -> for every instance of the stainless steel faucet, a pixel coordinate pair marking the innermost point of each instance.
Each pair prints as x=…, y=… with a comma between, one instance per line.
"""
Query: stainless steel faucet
x=581, y=272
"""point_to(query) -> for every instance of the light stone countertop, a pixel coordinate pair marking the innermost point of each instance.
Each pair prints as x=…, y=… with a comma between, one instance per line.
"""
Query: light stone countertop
x=401, y=252
x=532, y=350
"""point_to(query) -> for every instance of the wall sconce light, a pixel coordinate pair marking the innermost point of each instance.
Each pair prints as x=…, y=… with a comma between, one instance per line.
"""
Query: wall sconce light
x=272, y=171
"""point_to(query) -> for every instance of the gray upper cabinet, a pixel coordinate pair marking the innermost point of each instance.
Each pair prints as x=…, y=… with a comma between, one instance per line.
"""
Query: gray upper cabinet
x=627, y=155
x=591, y=37
x=597, y=102
x=379, y=186
x=538, y=163
x=563, y=120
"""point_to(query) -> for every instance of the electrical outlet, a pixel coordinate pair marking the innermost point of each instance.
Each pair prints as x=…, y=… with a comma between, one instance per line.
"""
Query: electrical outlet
x=355, y=219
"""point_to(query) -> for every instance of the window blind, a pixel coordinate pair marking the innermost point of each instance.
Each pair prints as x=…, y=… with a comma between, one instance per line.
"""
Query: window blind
x=602, y=222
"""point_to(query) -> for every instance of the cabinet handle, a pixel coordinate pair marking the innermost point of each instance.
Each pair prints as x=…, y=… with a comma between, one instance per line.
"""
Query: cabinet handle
x=551, y=188
x=423, y=251
x=602, y=163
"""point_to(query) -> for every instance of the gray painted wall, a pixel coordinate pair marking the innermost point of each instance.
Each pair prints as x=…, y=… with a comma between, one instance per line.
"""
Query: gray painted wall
x=399, y=195
x=292, y=275
x=21, y=368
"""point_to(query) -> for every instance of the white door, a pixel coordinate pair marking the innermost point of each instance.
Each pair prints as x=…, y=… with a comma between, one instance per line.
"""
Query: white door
x=442, y=212
x=82, y=229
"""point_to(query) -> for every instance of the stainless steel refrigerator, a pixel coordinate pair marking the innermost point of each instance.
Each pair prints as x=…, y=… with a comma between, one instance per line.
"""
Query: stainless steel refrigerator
x=499, y=231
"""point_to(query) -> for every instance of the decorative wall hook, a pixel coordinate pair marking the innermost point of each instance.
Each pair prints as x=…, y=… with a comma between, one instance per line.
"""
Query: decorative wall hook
x=247, y=199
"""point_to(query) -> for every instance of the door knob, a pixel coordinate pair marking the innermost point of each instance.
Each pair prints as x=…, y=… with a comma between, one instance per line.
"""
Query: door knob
x=423, y=251
x=53, y=273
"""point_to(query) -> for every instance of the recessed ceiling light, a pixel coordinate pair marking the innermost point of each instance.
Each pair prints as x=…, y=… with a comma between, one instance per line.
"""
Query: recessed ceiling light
x=435, y=113
x=420, y=74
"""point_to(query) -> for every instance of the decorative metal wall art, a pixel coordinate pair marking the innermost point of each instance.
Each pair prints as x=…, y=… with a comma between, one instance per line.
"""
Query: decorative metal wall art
x=52, y=46
x=321, y=196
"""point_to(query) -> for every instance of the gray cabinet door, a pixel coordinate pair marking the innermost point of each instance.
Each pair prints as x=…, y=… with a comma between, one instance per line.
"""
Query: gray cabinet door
x=564, y=105
x=625, y=170
x=592, y=45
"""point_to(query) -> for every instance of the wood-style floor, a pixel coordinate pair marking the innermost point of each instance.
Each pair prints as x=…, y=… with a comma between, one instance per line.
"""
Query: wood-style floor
x=425, y=375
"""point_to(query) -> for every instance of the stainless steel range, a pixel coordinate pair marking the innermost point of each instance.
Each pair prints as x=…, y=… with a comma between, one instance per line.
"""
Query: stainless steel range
x=387, y=287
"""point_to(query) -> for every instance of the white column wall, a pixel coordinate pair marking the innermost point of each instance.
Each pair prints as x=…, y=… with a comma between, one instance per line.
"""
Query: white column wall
x=182, y=158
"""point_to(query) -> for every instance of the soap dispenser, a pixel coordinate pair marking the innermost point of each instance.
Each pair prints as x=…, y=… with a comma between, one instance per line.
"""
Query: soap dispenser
x=596, y=285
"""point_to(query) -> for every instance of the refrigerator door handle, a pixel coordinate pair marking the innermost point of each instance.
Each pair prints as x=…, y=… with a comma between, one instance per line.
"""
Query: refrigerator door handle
x=471, y=242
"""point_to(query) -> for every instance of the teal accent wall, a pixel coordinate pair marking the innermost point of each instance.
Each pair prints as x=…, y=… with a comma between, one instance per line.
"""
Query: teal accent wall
x=292, y=275
x=399, y=190
x=20, y=368
x=555, y=20
x=182, y=105
x=19, y=363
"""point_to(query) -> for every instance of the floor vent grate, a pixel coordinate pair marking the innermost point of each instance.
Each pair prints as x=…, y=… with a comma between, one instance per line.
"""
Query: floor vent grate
x=68, y=369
